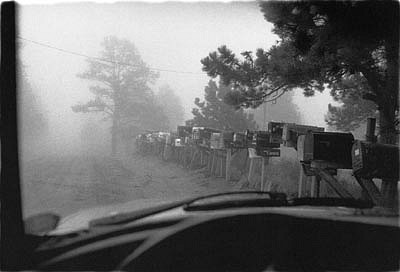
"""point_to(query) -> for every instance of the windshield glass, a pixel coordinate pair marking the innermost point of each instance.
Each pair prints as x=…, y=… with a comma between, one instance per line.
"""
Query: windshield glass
x=139, y=102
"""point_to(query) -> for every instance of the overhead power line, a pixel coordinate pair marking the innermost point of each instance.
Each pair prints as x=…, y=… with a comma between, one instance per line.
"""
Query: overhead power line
x=105, y=60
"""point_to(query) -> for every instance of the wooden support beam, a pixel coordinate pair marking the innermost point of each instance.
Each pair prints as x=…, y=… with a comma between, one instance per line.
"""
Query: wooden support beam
x=339, y=189
x=372, y=190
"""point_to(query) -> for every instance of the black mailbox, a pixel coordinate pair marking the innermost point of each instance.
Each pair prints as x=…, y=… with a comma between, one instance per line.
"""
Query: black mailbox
x=227, y=138
x=184, y=131
x=198, y=135
x=239, y=140
x=202, y=135
x=291, y=132
x=330, y=147
x=249, y=138
x=276, y=130
x=373, y=160
x=263, y=140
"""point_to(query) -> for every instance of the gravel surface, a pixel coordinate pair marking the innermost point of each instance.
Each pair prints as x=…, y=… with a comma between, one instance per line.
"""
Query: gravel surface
x=66, y=184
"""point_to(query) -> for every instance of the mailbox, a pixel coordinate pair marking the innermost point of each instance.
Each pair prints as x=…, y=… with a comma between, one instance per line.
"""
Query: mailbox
x=239, y=140
x=202, y=135
x=216, y=141
x=331, y=147
x=196, y=133
x=373, y=160
x=162, y=136
x=184, y=131
x=249, y=137
x=291, y=132
x=276, y=130
x=178, y=142
x=263, y=140
x=227, y=139
x=169, y=138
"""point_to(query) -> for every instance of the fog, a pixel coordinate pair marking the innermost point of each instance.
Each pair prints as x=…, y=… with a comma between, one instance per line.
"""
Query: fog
x=169, y=36
x=65, y=155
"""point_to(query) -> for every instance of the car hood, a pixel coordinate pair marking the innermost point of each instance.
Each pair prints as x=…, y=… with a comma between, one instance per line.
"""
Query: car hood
x=156, y=209
x=81, y=219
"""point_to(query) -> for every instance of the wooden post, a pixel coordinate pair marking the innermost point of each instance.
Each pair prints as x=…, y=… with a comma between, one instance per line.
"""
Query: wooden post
x=228, y=164
x=209, y=161
x=212, y=162
x=300, y=188
x=268, y=183
x=194, y=155
x=315, y=185
x=250, y=175
x=390, y=193
x=252, y=156
x=370, y=135
x=221, y=161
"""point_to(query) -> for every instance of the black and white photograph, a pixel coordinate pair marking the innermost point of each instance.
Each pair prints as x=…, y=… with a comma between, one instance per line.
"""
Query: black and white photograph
x=200, y=135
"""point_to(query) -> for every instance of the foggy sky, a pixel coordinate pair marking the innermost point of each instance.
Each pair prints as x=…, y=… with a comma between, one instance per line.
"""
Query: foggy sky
x=172, y=36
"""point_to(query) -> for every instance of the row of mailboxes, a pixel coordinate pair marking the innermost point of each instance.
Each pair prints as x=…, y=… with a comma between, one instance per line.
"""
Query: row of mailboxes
x=373, y=160
x=332, y=147
x=340, y=150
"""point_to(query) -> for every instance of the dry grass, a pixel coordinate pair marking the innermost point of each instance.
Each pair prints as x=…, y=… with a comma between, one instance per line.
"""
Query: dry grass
x=284, y=175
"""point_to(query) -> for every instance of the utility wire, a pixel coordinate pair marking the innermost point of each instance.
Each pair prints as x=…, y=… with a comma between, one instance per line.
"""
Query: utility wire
x=105, y=60
x=121, y=63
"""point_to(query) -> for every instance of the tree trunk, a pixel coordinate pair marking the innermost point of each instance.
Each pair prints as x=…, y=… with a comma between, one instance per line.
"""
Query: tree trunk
x=114, y=138
x=114, y=132
x=387, y=114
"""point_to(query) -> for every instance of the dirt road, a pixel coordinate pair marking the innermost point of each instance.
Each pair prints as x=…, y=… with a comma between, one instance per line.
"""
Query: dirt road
x=67, y=184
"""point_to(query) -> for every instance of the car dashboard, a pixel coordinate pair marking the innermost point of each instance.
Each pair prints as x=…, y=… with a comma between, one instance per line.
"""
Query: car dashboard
x=239, y=239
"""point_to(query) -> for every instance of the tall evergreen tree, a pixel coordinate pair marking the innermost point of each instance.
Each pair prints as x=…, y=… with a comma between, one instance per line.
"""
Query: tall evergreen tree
x=121, y=90
x=214, y=112
x=32, y=116
x=354, y=110
x=321, y=43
